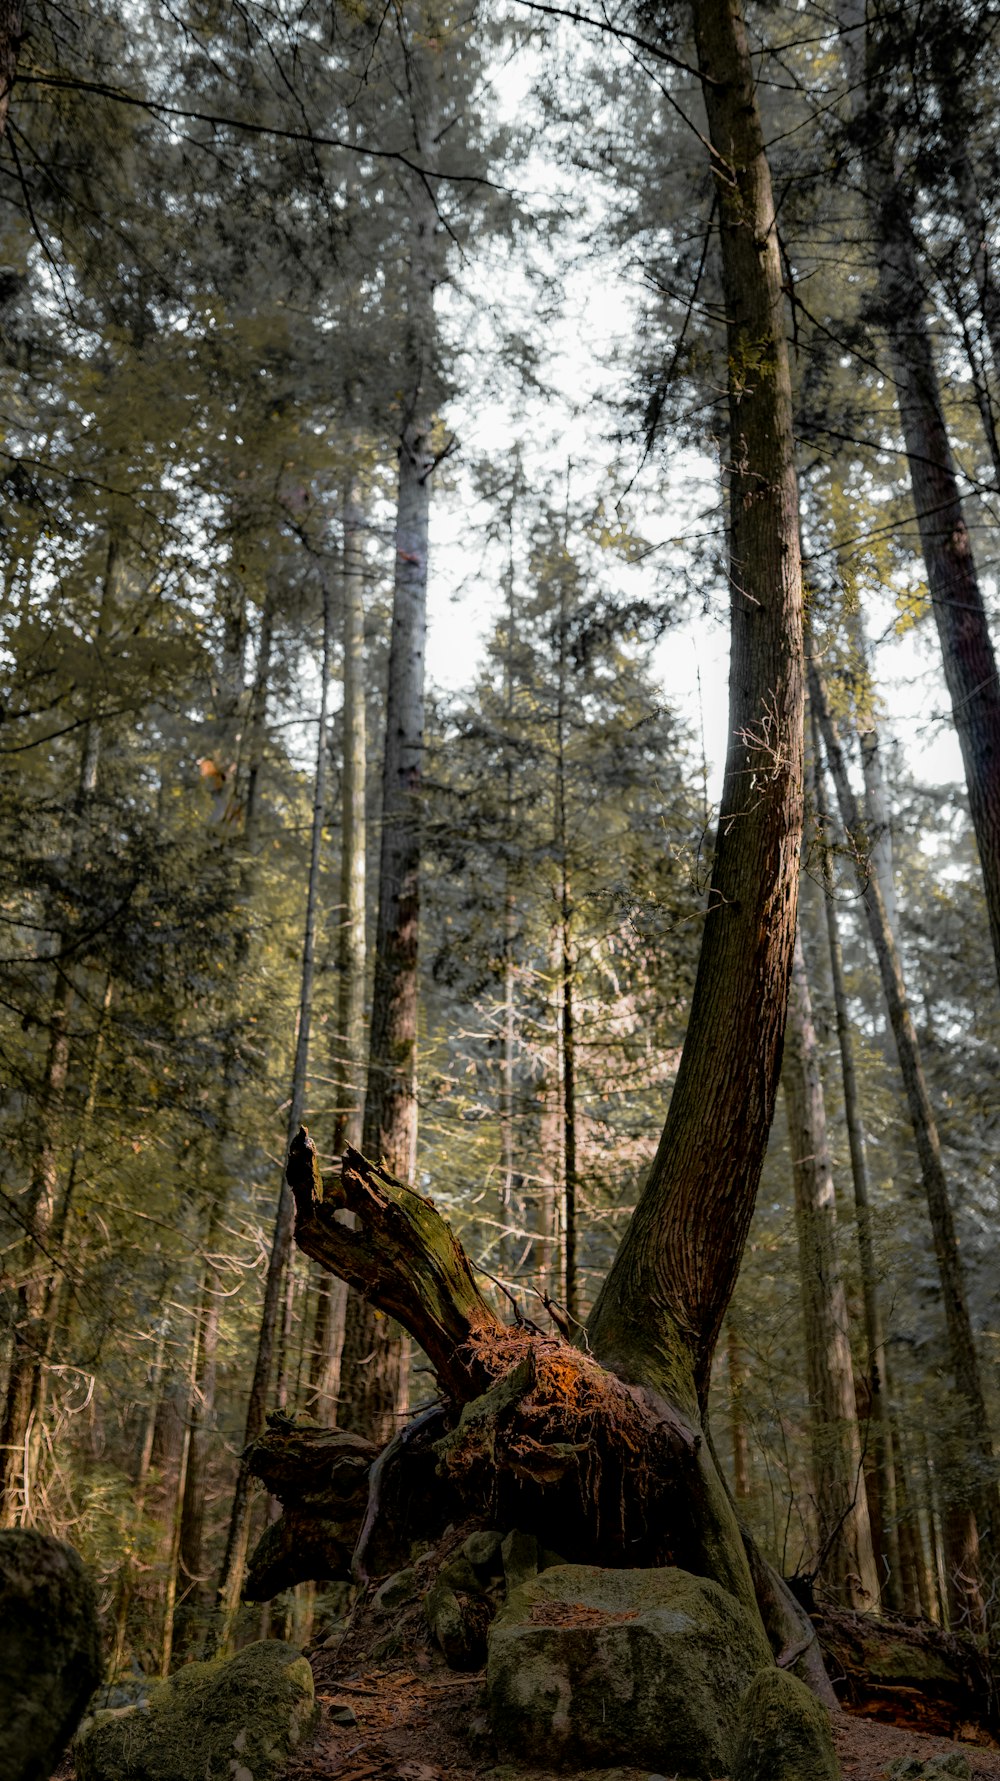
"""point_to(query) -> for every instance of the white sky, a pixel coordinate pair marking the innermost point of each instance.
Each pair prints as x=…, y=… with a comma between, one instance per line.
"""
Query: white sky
x=588, y=349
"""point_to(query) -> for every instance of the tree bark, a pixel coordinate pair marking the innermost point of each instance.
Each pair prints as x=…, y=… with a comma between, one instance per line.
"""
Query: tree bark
x=844, y=1531
x=683, y=1247
x=969, y=661
x=876, y=1360
x=373, y=1360
x=234, y=1561
x=11, y=28
x=982, y=1506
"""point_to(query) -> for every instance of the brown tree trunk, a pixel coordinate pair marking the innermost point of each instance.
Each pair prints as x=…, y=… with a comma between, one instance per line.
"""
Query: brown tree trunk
x=11, y=27
x=683, y=1247
x=876, y=1359
x=234, y=1561
x=372, y=1365
x=845, y=1555
x=982, y=1505
x=970, y=665
x=652, y=1334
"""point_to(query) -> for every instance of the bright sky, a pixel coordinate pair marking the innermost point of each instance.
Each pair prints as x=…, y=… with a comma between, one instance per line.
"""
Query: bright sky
x=588, y=349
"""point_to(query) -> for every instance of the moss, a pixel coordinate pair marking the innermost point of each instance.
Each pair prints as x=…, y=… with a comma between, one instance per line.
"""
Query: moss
x=591, y=1668
x=784, y=1733
x=222, y=1721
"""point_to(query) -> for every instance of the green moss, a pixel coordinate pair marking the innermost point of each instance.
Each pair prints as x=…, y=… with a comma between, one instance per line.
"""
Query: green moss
x=784, y=1733
x=224, y=1721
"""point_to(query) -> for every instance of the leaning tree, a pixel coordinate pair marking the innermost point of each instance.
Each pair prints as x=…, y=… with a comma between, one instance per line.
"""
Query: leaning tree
x=601, y=1445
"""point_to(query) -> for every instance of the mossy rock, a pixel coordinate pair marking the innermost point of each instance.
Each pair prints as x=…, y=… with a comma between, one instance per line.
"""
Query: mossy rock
x=223, y=1721
x=600, y=1669
x=50, y=1657
x=784, y=1733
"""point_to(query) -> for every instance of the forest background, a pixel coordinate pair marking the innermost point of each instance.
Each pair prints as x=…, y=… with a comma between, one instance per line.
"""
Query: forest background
x=279, y=288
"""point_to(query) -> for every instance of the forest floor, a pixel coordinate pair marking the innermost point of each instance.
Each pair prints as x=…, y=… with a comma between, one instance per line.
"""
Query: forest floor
x=415, y=1720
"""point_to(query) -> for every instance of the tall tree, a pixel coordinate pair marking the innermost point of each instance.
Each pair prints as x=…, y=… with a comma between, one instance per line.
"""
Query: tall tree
x=371, y=1369
x=967, y=652
x=683, y=1247
x=844, y=1532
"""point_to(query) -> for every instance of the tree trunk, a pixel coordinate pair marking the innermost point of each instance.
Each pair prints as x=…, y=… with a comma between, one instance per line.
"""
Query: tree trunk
x=683, y=1247
x=372, y=1364
x=982, y=1505
x=11, y=27
x=876, y=1359
x=602, y=1450
x=565, y=991
x=845, y=1539
x=970, y=665
x=737, y=1419
x=234, y=1561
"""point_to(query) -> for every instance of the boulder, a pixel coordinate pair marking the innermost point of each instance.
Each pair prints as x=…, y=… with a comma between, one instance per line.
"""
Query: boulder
x=222, y=1721
x=458, y=1623
x=482, y=1549
x=784, y=1733
x=520, y=1558
x=50, y=1656
x=598, y=1669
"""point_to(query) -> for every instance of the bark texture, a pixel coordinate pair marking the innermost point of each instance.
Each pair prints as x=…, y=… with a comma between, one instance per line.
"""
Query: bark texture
x=11, y=28
x=234, y=1560
x=845, y=1557
x=372, y=1366
x=682, y=1250
x=980, y=1506
x=898, y=1587
x=970, y=665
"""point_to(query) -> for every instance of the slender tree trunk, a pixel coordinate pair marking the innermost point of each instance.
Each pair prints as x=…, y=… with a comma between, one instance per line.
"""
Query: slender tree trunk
x=258, y=714
x=40, y=1209
x=127, y=1573
x=351, y=1037
x=566, y=969
x=970, y=665
x=234, y=1562
x=683, y=1247
x=373, y=1357
x=982, y=1505
x=876, y=1359
x=507, y=1209
x=11, y=27
x=838, y=1478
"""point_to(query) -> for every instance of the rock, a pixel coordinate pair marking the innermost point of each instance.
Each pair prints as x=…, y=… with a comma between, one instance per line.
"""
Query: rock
x=520, y=1558
x=50, y=1658
x=931, y=1768
x=592, y=1668
x=784, y=1733
x=459, y=1574
x=547, y=1560
x=342, y=1713
x=459, y=1627
x=395, y=1592
x=223, y=1721
x=482, y=1549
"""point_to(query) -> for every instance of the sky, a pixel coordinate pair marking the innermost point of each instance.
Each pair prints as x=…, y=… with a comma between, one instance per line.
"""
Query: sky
x=588, y=350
